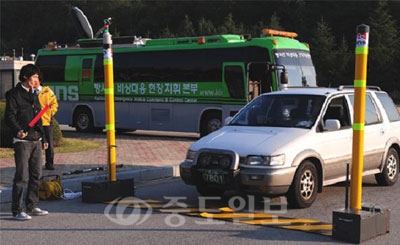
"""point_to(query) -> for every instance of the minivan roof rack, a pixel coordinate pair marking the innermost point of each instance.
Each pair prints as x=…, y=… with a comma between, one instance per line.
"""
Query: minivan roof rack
x=342, y=87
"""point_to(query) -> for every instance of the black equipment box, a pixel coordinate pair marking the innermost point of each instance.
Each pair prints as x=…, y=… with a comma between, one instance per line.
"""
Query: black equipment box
x=360, y=225
x=107, y=190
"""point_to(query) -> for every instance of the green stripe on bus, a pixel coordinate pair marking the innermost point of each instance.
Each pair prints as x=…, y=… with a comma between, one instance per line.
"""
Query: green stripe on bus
x=358, y=126
x=360, y=83
x=361, y=50
x=108, y=91
x=107, y=61
x=110, y=126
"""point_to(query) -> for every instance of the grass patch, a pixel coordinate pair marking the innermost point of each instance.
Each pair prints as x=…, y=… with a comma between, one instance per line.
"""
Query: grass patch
x=6, y=152
x=68, y=145
x=76, y=145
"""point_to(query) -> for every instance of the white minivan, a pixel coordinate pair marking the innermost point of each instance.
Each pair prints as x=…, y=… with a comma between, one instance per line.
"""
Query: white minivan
x=294, y=142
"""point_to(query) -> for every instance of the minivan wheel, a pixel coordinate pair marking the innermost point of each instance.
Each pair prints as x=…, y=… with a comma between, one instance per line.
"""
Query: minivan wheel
x=303, y=190
x=390, y=171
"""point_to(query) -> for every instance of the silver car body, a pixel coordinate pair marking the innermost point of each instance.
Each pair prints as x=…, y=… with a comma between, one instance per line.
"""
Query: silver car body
x=327, y=147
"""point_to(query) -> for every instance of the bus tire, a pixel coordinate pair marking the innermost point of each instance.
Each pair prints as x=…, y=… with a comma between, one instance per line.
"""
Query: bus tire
x=83, y=120
x=211, y=122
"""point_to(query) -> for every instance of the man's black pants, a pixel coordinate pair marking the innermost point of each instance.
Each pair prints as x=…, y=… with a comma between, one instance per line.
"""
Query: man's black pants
x=48, y=132
x=28, y=169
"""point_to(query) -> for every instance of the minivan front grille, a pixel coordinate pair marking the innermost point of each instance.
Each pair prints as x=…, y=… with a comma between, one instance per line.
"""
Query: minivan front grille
x=211, y=160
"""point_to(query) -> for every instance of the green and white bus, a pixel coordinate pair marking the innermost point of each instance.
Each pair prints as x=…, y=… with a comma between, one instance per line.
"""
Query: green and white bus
x=186, y=84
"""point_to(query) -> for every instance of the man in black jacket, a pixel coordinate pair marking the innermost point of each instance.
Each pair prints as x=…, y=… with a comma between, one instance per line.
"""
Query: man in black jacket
x=22, y=105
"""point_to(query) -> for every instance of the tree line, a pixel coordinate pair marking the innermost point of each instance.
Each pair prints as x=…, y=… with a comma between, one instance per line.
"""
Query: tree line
x=329, y=27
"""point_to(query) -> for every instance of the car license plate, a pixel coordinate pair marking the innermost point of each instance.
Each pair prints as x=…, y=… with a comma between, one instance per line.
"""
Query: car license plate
x=212, y=176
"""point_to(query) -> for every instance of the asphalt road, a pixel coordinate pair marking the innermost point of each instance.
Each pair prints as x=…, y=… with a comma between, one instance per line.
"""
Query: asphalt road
x=75, y=222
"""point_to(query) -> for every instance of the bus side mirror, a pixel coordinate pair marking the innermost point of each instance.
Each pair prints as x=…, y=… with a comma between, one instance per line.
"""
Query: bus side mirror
x=284, y=77
x=269, y=67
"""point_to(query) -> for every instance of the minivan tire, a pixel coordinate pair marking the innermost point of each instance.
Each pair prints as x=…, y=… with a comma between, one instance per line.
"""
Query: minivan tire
x=303, y=190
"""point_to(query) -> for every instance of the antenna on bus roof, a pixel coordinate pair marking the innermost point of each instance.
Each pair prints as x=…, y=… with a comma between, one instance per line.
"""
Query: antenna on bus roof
x=84, y=23
x=107, y=22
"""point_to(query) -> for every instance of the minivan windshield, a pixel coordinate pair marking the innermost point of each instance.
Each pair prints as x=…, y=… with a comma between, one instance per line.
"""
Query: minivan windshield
x=300, y=111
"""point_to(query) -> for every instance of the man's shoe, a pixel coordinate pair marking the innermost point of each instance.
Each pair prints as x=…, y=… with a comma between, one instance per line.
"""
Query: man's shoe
x=49, y=167
x=38, y=212
x=22, y=216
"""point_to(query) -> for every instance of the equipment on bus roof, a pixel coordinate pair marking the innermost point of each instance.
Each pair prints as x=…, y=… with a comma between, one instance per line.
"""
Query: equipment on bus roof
x=100, y=31
x=84, y=22
x=272, y=32
x=91, y=40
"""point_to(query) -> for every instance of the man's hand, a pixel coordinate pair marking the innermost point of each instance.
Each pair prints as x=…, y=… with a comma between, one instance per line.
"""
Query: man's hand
x=45, y=146
x=21, y=134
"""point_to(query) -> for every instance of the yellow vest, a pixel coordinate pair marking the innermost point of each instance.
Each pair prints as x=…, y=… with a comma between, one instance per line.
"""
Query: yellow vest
x=47, y=97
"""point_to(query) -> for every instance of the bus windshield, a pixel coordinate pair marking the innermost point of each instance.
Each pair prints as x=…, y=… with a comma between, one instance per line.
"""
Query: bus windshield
x=298, y=64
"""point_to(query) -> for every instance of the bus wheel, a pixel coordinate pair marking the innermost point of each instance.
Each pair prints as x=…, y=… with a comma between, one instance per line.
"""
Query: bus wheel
x=84, y=120
x=210, y=123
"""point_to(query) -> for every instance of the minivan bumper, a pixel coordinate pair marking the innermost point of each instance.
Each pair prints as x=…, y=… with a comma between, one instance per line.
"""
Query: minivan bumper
x=269, y=182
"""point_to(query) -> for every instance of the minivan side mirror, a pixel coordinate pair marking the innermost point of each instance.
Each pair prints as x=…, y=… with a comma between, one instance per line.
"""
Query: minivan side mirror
x=228, y=120
x=332, y=125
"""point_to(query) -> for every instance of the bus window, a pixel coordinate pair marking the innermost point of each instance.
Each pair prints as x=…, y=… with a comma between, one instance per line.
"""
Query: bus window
x=234, y=78
x=259, y=79
x=87, y=69
x=53, y=67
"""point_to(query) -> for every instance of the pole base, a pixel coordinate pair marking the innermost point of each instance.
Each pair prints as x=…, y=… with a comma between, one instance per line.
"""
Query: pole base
x=356, y=226
x=100, y=192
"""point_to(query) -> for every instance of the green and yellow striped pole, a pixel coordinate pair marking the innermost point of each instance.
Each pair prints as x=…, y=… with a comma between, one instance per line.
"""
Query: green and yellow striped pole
x=360, y=83
x=109, y=97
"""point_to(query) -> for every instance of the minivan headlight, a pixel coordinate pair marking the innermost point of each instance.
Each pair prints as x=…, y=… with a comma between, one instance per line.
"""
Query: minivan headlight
x=277, y=160
x=265, y=160
x=190, y=155
x=257, y=160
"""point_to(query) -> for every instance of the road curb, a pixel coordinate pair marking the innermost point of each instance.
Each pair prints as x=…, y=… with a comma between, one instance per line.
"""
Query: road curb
x=140, y=175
